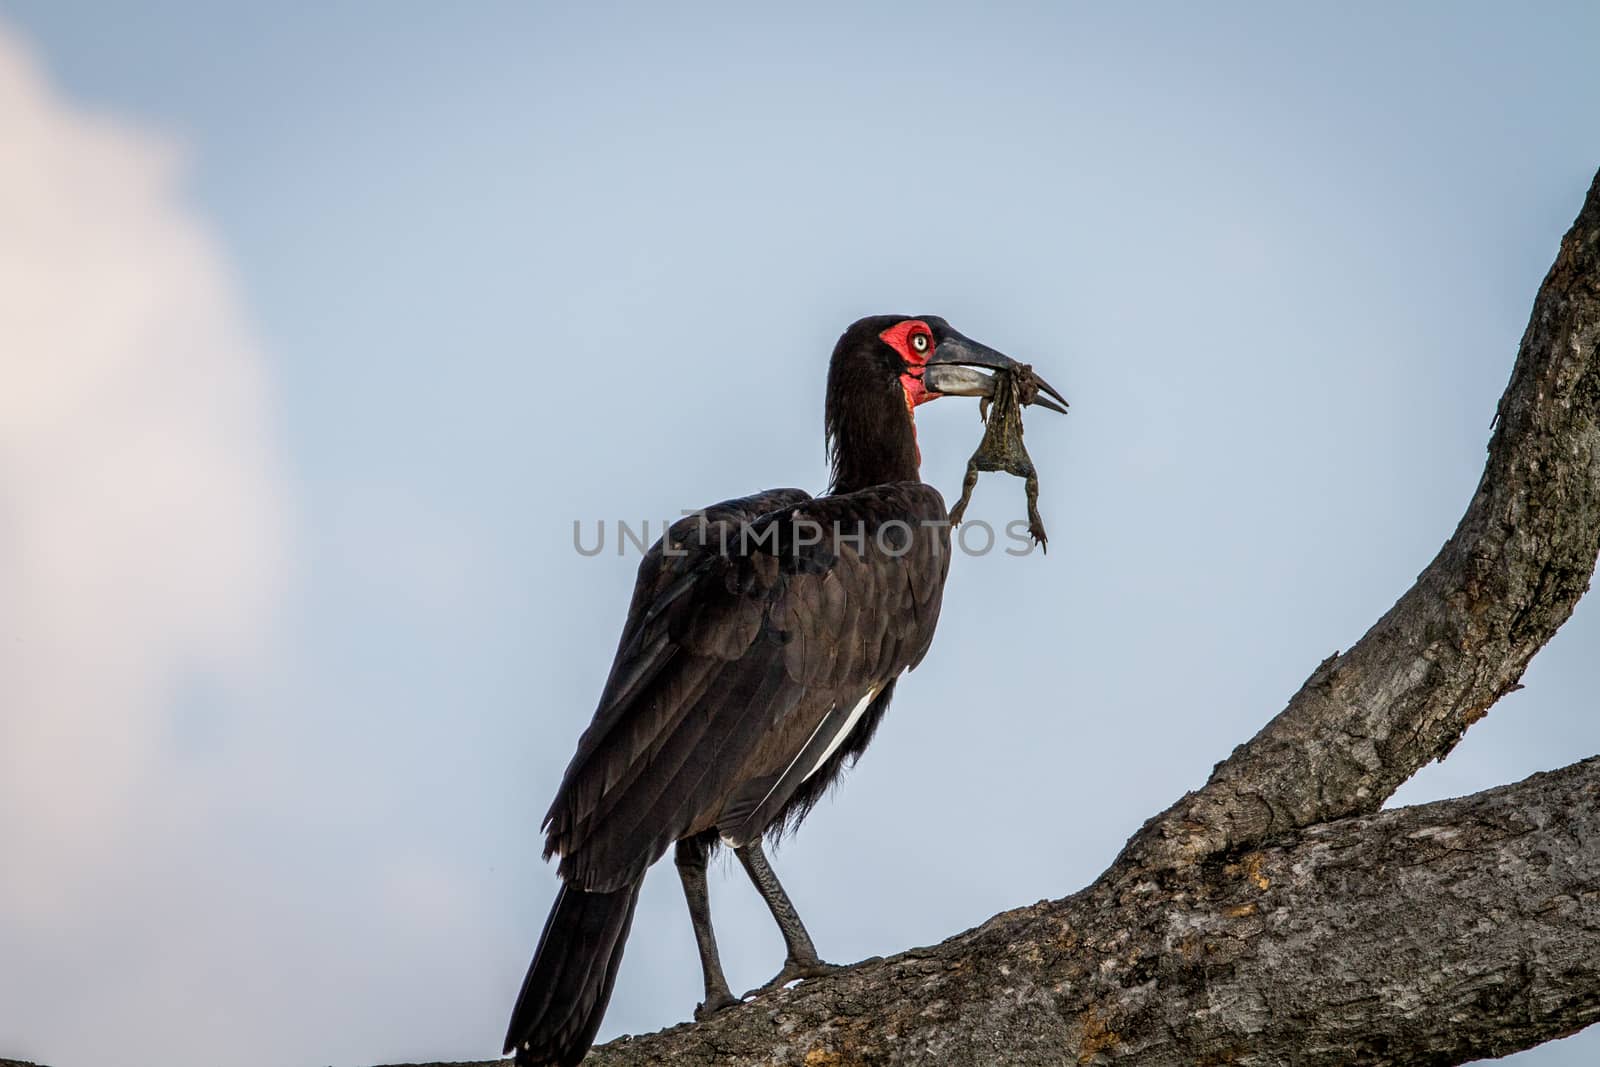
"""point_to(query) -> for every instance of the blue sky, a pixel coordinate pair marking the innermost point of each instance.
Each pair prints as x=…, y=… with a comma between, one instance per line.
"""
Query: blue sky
x=464, y=275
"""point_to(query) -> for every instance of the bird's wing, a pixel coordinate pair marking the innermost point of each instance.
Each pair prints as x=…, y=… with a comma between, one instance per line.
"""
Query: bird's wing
x=755, y=639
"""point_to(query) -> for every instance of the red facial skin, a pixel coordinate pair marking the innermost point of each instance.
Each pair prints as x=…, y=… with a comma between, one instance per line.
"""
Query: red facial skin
x=900, y=337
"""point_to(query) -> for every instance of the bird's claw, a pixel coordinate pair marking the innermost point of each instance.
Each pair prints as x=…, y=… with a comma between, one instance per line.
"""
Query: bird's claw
x=794, y=970
x=714, y=1003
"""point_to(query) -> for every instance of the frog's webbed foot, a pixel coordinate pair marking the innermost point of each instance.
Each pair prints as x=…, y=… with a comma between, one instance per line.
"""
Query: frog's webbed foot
x=966, y=492
x=1035, y=523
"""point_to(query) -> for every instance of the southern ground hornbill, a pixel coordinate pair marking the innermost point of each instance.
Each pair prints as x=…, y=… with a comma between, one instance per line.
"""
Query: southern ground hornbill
x=759, y=653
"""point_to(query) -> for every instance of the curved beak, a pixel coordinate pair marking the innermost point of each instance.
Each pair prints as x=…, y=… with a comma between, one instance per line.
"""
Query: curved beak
x=950, y=371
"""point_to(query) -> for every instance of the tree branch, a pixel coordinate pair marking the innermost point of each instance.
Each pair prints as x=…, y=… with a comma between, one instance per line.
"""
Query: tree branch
x=1437, y=934
x=1460, y=638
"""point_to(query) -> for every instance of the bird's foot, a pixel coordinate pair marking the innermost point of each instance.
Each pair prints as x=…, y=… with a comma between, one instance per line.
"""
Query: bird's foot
x=793, y=971
x=716, y=1000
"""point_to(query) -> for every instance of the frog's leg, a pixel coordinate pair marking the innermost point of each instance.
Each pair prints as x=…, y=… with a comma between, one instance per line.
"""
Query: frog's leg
x=966, y=491
x=1035, y=524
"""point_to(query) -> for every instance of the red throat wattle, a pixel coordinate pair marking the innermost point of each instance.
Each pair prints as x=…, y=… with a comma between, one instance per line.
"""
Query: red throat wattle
x=913, y=340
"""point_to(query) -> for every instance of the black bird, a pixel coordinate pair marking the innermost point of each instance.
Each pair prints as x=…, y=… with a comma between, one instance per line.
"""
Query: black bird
x=760, y=651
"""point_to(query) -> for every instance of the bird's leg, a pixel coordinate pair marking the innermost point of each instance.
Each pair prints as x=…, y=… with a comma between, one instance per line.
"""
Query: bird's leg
x=691, y=860
x=802, y=960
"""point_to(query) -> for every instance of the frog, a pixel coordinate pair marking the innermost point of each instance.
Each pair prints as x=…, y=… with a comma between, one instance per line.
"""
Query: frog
x=1002, y=449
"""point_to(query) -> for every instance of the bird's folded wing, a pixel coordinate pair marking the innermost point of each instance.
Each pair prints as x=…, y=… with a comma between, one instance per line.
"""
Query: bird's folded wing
x=747, y=635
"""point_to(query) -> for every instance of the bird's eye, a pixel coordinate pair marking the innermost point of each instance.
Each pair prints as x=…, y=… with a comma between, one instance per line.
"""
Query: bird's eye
x=919, y=342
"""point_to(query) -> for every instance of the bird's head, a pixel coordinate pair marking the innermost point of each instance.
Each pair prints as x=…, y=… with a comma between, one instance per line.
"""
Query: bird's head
x=883, y=367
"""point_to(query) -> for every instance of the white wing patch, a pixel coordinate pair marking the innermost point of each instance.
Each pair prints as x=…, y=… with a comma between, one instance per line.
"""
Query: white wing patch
x=844, y=731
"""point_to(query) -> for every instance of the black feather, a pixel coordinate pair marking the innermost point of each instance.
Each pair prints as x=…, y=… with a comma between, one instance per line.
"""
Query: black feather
x=564, y=995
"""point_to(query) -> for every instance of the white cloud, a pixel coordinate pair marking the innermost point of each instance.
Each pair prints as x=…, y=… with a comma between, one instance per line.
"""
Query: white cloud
x=142, y=517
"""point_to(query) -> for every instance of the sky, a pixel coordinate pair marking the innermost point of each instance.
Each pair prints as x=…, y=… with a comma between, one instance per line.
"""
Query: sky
x=320, y=329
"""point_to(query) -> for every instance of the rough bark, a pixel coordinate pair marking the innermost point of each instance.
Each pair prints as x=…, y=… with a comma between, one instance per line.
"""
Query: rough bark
x=1428, y=935
x=1436, y=934
x=1460, y=638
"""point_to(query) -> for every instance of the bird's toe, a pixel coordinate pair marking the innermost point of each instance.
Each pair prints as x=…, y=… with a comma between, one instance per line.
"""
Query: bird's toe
x=714, y=1003
x=794, y=971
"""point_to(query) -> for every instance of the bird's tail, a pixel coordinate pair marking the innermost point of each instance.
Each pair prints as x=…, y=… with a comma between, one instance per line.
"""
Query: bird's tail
x=564, y=996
